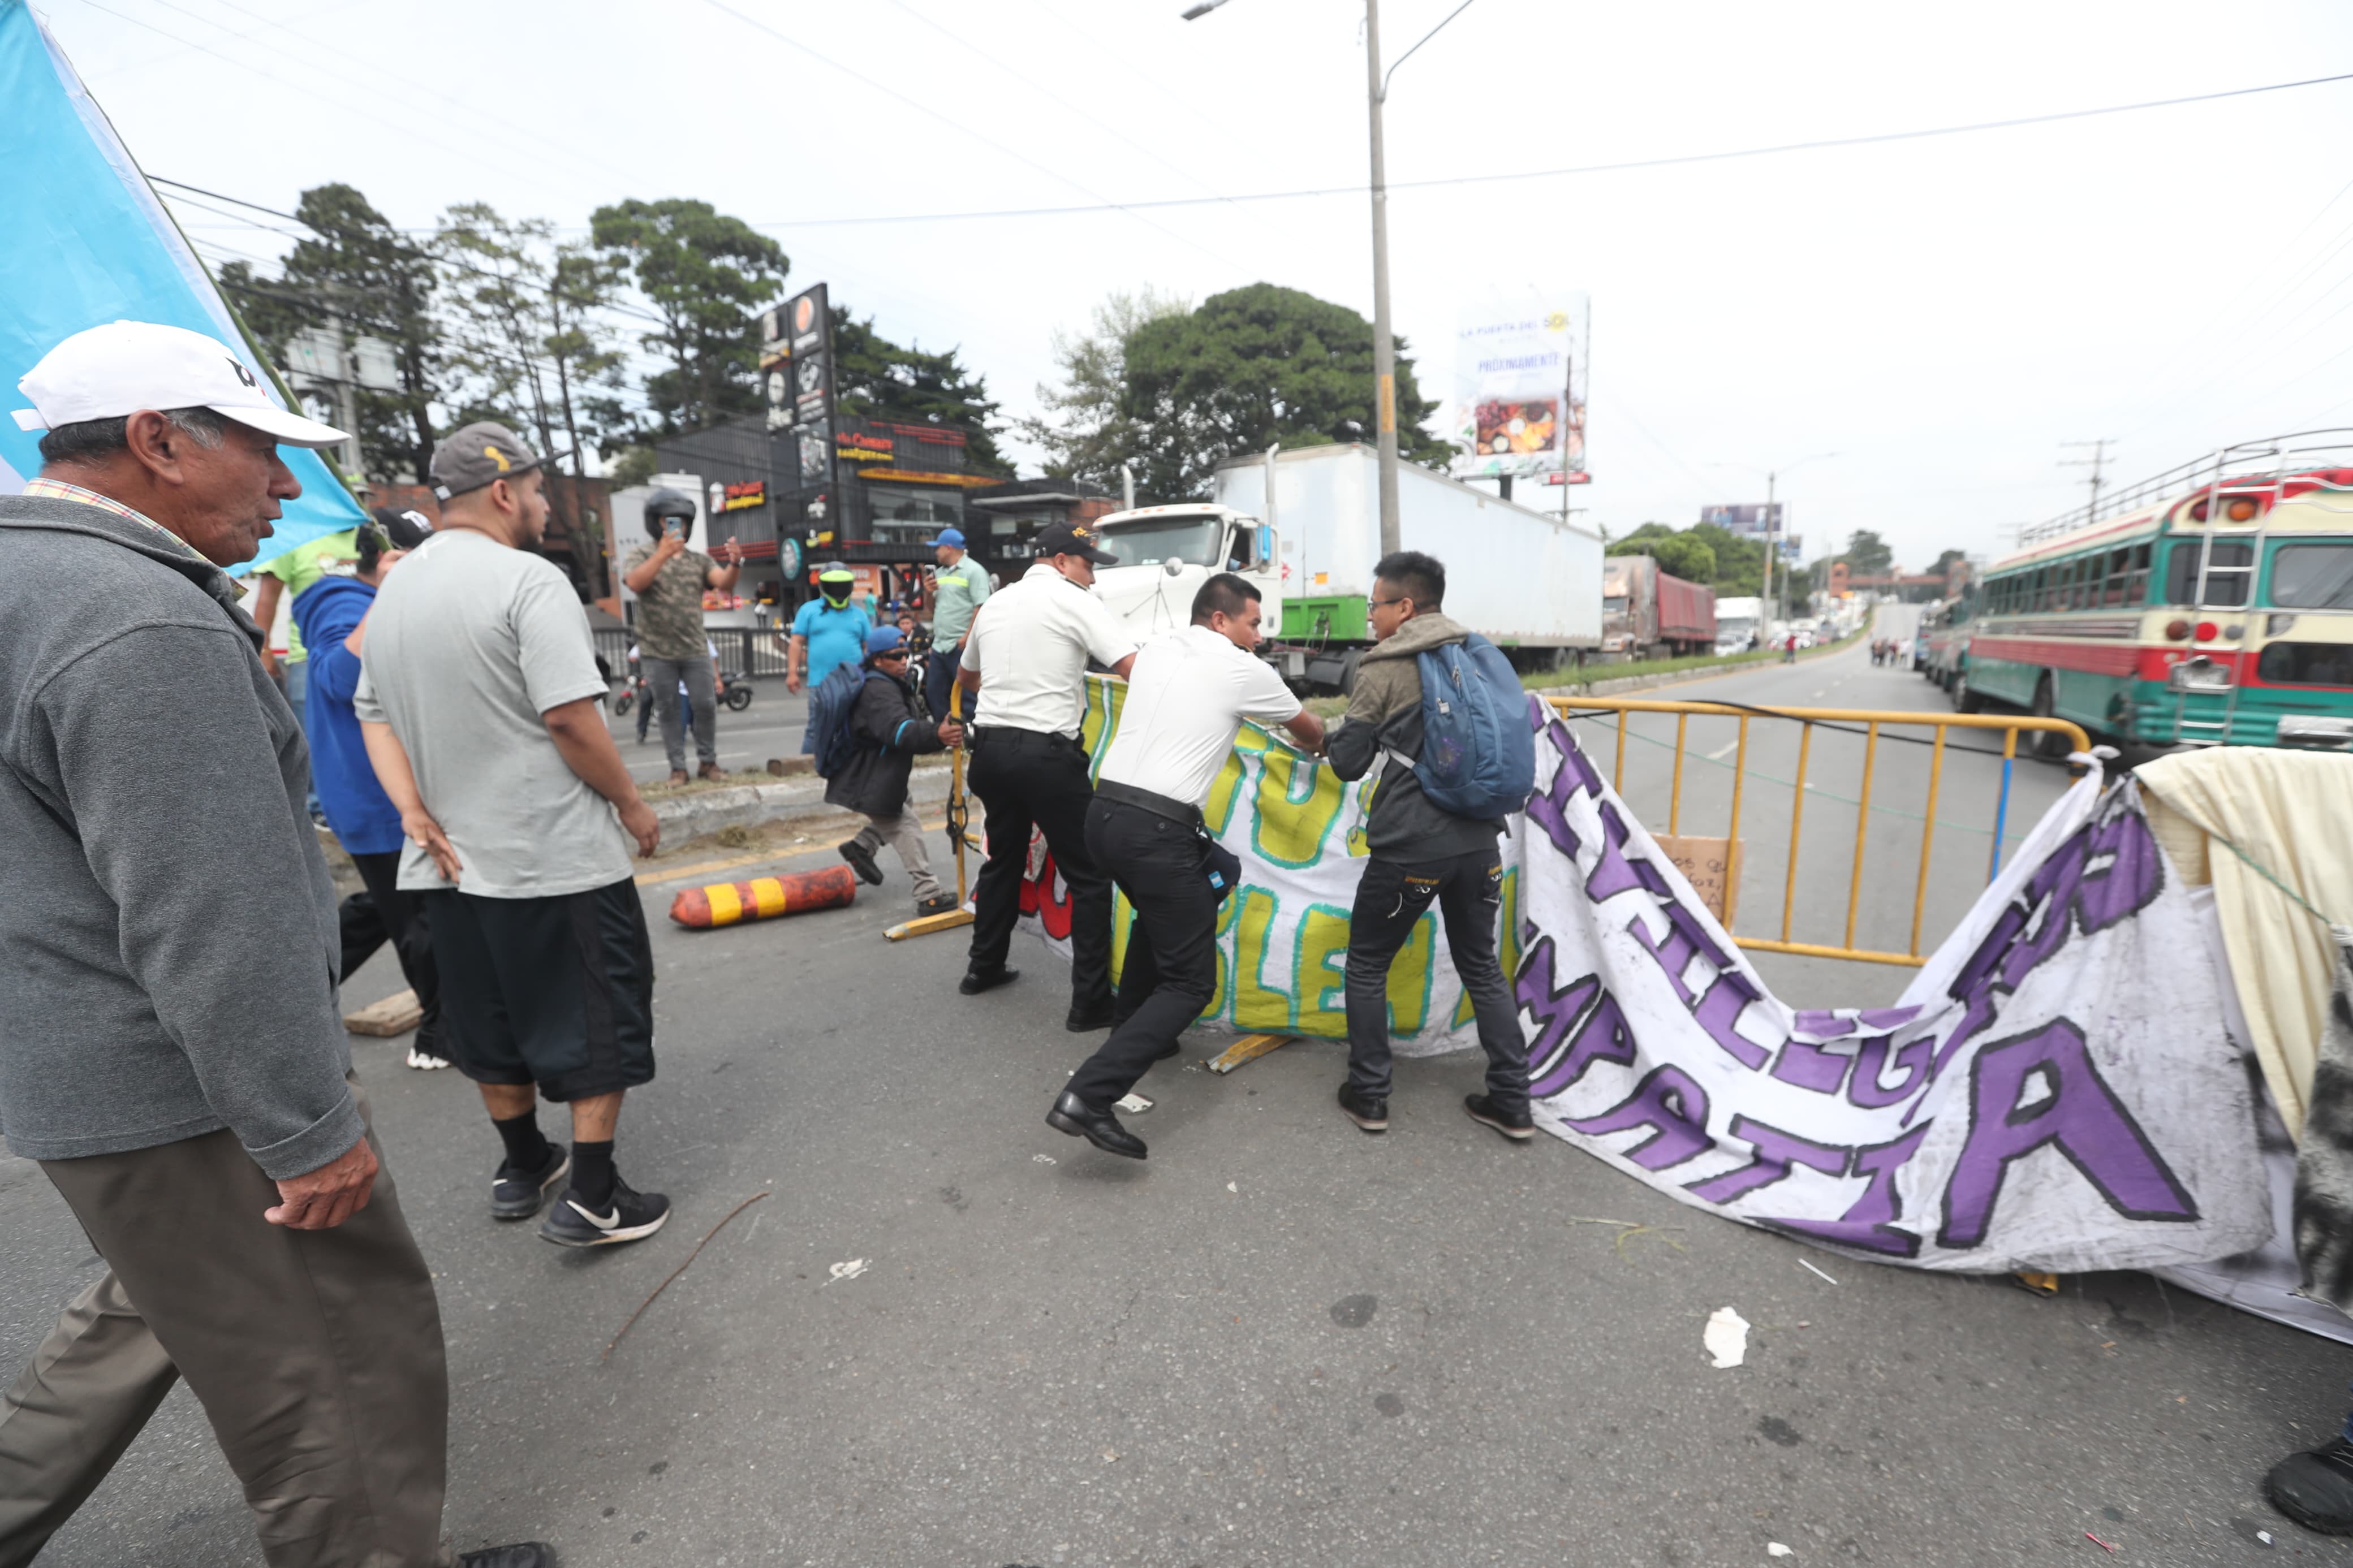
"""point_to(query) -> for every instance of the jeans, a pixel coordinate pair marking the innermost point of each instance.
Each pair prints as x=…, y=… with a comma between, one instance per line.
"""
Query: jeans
x=1394, y=896
x=1025, y=779
x=939, y=675
x=1172, y=957
x=701, y=689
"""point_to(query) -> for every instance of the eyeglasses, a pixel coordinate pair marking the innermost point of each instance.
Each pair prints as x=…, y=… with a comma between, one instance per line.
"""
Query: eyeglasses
x=1385, y=603
x=895, y=654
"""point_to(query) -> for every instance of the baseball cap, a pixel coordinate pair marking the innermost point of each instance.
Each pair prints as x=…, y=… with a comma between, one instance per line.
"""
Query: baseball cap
x=1073, y=539
x=473, y=455
x=951, y=537
x=882, y=639
x=406, y=530
x=106, y=373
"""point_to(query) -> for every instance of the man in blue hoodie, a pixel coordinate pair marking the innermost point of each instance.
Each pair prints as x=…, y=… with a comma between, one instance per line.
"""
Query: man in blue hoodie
x=332, y=619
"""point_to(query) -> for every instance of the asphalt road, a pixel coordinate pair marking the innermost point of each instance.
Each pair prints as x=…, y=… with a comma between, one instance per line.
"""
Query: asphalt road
x=1278, y=1342
x=770, y=727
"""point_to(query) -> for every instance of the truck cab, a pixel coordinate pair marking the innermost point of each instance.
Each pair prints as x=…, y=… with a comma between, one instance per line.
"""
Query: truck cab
x=1167, y=552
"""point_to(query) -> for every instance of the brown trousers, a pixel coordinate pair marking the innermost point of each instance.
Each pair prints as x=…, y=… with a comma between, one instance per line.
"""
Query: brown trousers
x=316, y=1354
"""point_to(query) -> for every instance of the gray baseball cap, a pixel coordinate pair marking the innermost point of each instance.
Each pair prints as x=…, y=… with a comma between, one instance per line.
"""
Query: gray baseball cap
x=473, y=455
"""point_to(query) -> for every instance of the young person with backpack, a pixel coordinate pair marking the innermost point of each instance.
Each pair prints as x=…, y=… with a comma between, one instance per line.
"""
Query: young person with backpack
x=1442, y=711
x=870, y=751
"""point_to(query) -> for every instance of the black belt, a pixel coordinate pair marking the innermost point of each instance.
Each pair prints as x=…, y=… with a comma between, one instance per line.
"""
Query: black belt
x=1145, y=800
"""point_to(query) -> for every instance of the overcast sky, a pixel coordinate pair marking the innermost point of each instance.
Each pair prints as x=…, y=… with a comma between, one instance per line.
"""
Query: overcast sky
x=1942, y=314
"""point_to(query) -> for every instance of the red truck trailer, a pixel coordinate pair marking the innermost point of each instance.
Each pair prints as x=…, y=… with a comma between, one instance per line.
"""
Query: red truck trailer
x=1646, y=614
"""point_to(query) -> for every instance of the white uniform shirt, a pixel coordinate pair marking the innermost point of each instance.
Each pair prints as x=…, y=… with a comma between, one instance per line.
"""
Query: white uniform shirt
x=1030, y=643
x=1187, y=695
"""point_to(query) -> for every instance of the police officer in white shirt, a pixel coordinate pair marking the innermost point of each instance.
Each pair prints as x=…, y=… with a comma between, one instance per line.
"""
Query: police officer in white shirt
x=1025, y=656
x=1187, y=695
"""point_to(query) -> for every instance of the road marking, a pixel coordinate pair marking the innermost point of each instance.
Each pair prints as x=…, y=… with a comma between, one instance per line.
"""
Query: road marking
x=1717, y=755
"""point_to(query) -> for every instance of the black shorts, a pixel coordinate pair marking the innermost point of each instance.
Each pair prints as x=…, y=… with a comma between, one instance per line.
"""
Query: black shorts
x=557, y=991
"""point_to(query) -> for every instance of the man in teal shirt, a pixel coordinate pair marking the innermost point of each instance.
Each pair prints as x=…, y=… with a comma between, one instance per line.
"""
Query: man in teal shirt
x=962, y=583
x=829, y=630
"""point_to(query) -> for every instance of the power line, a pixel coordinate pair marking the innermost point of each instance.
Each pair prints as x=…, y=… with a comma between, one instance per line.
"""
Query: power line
x=1678, y=161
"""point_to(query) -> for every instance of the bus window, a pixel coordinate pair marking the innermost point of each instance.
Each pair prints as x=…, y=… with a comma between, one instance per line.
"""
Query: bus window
x=2111, y=591
x=2137, y=583
x=2313, y=576
x=2231, y=565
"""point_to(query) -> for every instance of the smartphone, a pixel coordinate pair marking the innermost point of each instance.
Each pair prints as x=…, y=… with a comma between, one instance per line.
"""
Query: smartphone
x=675, y=527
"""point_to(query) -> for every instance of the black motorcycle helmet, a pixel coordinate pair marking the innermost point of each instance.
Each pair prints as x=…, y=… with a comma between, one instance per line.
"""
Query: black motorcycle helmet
x=665, y=504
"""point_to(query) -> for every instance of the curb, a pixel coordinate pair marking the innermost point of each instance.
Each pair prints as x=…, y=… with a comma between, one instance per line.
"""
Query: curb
x=1680, y=677
x=691, y=817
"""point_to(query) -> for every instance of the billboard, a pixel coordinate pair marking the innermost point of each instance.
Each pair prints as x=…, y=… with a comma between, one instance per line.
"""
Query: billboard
x=796, y=375
x=1754, y=521
x=1519, y=384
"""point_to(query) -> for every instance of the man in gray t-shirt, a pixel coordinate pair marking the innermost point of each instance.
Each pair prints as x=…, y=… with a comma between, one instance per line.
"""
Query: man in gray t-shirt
x=484, y=712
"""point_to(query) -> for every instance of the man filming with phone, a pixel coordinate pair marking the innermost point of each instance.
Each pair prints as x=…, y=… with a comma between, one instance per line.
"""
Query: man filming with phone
x=669, y=579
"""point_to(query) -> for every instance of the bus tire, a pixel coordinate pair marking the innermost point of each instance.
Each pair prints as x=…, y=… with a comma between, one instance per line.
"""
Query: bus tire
x=2048, y=744
x=1964, y=699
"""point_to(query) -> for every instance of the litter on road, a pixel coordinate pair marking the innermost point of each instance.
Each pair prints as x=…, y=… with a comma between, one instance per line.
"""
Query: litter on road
x=1725, y=1337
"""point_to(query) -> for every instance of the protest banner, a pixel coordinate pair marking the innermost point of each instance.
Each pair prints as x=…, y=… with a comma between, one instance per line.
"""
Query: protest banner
x=2056, y=1091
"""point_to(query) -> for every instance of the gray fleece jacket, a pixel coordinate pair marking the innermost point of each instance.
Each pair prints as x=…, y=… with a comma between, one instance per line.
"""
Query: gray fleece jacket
x=167, y=919
x=1385, y=716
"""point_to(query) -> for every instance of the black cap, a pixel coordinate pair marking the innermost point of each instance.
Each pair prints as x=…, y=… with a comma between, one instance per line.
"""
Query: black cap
x=1073, y=539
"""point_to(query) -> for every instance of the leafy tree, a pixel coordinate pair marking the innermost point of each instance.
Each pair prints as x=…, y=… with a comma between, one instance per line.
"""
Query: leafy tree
x=1867, y=555
x=1252, y=366
x=1944, y=562
x=1678, y=554
x=706, y=275
x=875, y=378
x=356, y=275
x=1084, y=436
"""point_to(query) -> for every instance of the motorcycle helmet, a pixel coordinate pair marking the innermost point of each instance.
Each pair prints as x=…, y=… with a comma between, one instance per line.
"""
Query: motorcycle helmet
x=837, y=584
x=665, y=504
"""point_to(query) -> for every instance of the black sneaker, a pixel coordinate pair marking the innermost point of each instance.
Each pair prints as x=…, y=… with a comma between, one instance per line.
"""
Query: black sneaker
x=629, y=1216
x=937, y=904
x=976, y=980
x=1517, y=1125
x=521, y=1554
x=1369, y=1111
x=518, y=1194
x=862, y=860
x=2315, y=1488
x=1084, y=1019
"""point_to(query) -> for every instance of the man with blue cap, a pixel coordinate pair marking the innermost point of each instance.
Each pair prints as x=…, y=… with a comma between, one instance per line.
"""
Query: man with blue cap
x=959, y=587
x=888, y=731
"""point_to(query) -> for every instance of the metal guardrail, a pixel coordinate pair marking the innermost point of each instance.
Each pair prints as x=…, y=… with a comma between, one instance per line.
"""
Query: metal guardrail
x=1876, y=721
x=745, y=650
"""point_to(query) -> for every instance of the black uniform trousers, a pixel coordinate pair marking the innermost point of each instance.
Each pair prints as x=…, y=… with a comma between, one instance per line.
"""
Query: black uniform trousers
x=1171, y=971
x=1393, y=896
x=1026, y=779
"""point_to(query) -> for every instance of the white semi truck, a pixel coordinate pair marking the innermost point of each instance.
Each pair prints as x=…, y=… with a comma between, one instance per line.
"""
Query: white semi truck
x=1529, y=582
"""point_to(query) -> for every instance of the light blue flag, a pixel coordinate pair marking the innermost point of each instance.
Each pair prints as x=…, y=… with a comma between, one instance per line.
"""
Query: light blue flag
x=83, y=241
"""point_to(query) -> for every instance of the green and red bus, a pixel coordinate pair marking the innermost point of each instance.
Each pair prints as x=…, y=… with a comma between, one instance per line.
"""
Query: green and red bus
x=2209, y=606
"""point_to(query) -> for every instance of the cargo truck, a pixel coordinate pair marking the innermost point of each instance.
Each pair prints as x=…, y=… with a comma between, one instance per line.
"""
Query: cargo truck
x=1647, y=613
x=1739, y=625
x=1529, y=582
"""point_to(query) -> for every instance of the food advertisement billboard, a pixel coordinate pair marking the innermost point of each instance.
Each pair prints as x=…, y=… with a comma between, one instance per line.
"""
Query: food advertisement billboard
x=1519, y=384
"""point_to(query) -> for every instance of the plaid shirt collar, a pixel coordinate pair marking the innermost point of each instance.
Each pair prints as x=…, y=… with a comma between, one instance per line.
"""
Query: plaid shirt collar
x=57, y=489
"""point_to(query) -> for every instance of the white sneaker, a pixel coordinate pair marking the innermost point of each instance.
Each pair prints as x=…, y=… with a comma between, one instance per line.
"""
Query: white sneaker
x=425, y=1061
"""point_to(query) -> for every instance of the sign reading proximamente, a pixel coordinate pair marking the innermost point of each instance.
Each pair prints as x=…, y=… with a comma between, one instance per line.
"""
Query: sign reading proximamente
x=2056, y=1089
x=1519, y=385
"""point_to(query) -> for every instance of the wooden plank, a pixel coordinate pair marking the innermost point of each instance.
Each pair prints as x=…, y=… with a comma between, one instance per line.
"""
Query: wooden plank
x=1248, y=1048
x=396, y=1014
x=924, y=925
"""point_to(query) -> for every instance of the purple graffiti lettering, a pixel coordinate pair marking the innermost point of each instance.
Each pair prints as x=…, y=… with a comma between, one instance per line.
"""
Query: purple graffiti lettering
x=2075, y=1111
x=1574, y=775
x=1668, y=1101
x=1685, y=940
x=1612, y=874
x=1561, y=1012
x=1866, y=1087
x=1867, y=1224
x=2105, y=872
x=1573, y=762
x=1887, y=1017
x=1817, y=1025
x=1719, y=1011
x=1775, y=1152
x=1804, y=1063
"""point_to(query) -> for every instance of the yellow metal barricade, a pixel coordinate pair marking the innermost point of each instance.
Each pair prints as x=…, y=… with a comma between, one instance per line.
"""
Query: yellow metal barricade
x=1873, y=720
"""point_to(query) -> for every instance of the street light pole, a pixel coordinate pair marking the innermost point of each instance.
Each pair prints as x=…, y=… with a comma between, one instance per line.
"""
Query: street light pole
x=1384, y=349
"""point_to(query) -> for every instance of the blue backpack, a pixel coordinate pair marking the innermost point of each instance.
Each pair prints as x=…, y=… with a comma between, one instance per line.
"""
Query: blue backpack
x=1478, y=753
x=829, y=706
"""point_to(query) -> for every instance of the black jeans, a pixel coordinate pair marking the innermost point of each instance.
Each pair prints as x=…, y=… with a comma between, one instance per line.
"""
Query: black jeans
x=1026, y=779
x=1393, y=896
x=384, y=913
x=1172, y=957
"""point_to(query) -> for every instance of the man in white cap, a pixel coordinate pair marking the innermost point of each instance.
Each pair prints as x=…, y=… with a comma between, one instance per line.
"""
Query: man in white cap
x=169, y=1048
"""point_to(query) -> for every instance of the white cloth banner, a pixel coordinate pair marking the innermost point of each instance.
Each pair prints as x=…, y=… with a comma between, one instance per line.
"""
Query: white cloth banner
x=2056, y=1089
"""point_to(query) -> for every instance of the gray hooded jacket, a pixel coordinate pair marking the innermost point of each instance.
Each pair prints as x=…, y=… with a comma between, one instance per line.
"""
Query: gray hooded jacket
x=167, y=922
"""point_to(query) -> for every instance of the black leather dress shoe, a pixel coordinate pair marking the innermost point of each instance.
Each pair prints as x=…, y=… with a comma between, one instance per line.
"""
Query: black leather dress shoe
x=1170, y=1049
x=1086, y=1020
x=976, y=980
x=1101, y=1128
x=521, y=1554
